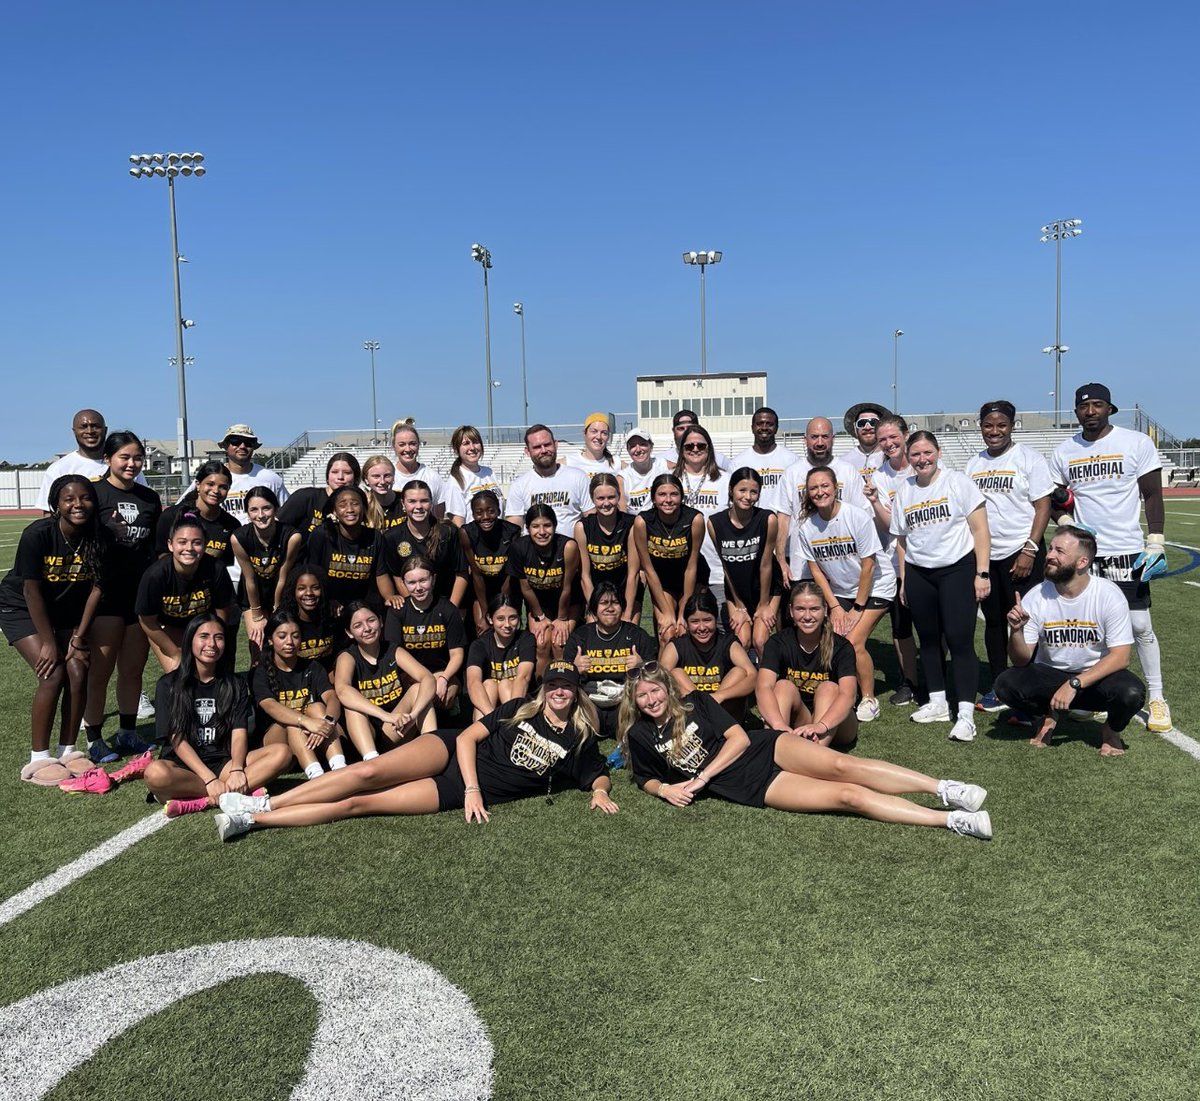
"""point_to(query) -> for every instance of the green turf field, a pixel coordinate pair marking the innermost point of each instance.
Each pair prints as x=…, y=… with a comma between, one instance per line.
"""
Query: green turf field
x=715, y=952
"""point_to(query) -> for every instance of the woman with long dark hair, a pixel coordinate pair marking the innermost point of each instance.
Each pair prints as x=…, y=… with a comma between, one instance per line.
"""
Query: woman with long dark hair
x=669, y=536
x=306, y=509
x=468, y=476
x=501, y=661
x=203, y=714
x=305, y=597
x=350, y=553
x=705, y=660
x=206, y=502
x=607, y=553
x=681, y=749
x=266, y=551
x=523, y=748
x=48, y=602
x=545, y=565
x=438, y=541
x=486, y=541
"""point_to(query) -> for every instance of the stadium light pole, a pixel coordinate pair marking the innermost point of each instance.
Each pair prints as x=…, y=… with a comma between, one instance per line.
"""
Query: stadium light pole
x=896, y=335
x=146, y=166
x=1057, y=232
x=372, y=346
x=484, y=257
x=519, y=310
x=702, y=260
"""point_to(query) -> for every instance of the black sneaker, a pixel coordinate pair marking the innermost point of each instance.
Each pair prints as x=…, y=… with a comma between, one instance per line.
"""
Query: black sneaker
x=101, y=753
x=903, y=696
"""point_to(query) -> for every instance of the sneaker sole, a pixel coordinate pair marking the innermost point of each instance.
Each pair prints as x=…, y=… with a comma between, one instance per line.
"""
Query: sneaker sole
x=937, y=719
x=991, y=710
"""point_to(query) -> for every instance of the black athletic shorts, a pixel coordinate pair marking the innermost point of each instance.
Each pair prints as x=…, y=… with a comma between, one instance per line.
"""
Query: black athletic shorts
x=451, y=787
x=874, y=603
x=16, y=624
x=1118, y=568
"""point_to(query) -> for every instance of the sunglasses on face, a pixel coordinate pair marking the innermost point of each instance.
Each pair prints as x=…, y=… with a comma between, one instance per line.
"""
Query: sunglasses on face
x=695, y=447
x=239, y=441
x=866, y=422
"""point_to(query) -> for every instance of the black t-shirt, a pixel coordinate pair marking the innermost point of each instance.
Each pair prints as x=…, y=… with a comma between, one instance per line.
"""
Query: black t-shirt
x=132, y=516
x=784, y=656
x=544, y=570
x=212, y=733
x=319, y=641
x=216, y=532
x=608, y=554
x=532, y=757
x=654, y=756
x=495, y=662
x=393, y=514
x=490, y=550
x=741, y=551
x=174, y=599
x=294, y=688
x=381, y=682
x=609, y=651
x=45, y=556
x=266, y=560
x=304, y=510
x=400, y=543
x=669, y=547
x=705, y=668
x=351, y=565
x=428, y=635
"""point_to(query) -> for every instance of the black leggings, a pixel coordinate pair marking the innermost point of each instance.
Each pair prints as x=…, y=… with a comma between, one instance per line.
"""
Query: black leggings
x=943, y=606
x=999, y=601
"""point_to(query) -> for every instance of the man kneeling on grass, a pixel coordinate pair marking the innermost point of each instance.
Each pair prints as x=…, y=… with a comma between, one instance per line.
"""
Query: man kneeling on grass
x=1070, y=644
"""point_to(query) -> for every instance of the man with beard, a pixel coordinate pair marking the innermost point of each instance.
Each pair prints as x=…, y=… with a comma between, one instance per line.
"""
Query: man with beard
x=90, y=431
x=1110, y=473
x=766, y=456
x=1070, y=645
x=862, y=422
x=566, y=489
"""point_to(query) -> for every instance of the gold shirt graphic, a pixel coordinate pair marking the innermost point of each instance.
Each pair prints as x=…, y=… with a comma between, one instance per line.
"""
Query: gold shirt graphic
x=680, y=546
x=806, y=680
x=382, y=690
x=706, y=678
x=533, y=752
x=425, y=637
x=56, y=568
x=550, y=577
x=350, y=567
x=186, y=605
x=606, y=556
x=295, y=698
x=691, y=754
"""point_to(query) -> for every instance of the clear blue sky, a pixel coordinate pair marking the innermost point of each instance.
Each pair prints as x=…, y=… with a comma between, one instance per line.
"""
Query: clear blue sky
x=863, y=166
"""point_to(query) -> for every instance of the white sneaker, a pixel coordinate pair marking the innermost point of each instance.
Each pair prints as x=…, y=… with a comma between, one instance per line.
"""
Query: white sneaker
x=962, y=731
x=867, y=710
x=145, y=708
x=230, y=826
x=1159, y=717
x=960, y=796
x=931, y=713
x=970, y=823
x=233, y=802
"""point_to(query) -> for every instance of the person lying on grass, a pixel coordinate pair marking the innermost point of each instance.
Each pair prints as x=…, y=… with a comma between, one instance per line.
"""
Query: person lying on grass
x=203, y=711
x=679, y=747
x=524, y=748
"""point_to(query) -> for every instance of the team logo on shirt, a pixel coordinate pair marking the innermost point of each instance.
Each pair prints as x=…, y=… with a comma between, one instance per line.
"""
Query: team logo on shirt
x=612, y=659
x=533, y=752
x=1097, y=468
x=1082, y=634
x=425, y=636
x=807, y=681
x=404, y=549
x=926, y=513
x=128, y=512
x=544, y=577
x=607, y=556
x=706, y=678
x=663, y=546
x=186, y=605
x=350, y=567
x=295, y=698
x=552, y=497
x=689, y=756
x=995, y=481
x=55, y=567
x=740, y=550
x=205, y=710
x=491, y=565
x=835, y=546
x=383, y=689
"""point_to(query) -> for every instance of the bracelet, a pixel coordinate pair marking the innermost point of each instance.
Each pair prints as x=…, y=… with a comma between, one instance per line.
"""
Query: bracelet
x=1030, y=551
x=473, y=787
x=826, y=726
x=662, y=790
x=241, y=770
x=212, y=781
x=1031, y=546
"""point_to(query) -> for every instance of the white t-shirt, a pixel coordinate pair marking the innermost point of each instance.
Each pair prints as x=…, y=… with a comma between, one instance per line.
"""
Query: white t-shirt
x=567, y=491
x=235, y=503
x=637, y=486
x=791, y=496
x=1010, y=483
x=426, y=474
x=887, y=479
x=861, y=462
x=1072, y=635
x=933, y=519
x=839, y=547
x=458, y=498
x=707, y=496
x=1103, y=477
x=72, y=463
x=771, y=466
x=591, y=466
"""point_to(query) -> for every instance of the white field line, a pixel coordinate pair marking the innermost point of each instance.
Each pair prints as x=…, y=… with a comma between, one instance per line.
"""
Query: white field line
x=1195, y=584
x=1182, y=741
x=66, y=875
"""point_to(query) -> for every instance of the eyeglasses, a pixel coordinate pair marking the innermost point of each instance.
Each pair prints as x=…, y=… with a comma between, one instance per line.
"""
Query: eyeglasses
x=238, y=441
x=866, y=422
x=695, y=447
x=645, y=669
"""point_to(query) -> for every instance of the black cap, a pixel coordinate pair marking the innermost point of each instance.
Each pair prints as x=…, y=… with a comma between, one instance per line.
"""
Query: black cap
x=684, y=413
x=561, y=670
x=1094, y=391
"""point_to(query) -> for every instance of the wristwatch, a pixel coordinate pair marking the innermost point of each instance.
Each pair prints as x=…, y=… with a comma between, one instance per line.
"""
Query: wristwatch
x=984, y=573
x=1075, y=683
x=858, y=607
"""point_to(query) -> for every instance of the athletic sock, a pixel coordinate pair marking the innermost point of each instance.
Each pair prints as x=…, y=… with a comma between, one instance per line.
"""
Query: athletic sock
x=94, y=733
x=127, y=721
x=370, y=756
x=314, y=770
x=63, y=750
x=967, y=711
x=337, y=761
x=39, y=755
x=937, y=697
x=1148, y=652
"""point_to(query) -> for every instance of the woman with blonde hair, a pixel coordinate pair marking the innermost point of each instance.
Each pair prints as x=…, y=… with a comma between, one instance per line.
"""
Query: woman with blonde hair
x=679, y=748
x=467, y=475
x=385, y=507
x=406, y=443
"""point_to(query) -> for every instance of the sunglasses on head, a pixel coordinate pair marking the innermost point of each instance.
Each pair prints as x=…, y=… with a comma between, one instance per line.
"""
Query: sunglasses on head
x=866, y=422
x=695, y=447
x=645, y=669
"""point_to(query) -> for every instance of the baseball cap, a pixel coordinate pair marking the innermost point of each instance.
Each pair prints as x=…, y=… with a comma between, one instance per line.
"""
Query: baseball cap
x=561, y=670
x=684, y=413
x=1094, y=391
x=631, y=436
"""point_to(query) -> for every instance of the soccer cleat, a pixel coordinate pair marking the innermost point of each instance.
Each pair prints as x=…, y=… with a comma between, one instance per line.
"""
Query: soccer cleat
x=969, y=823
x=234, y=803
x=145, y=708
x=990, y=703
x=93, y=782
x=932, y=713
x=962, y=731
x=960, y=796
x=1159, y=720
x=128, y=741
x=867, y=710
x=102, y=753
x=134, y=768
x=230, y=826
x=903, y=696
x=177, y=807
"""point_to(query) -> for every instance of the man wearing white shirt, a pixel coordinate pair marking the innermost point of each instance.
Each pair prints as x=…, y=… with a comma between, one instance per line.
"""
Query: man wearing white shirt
x=566, y=489
x=1111, y=472
x=90, y=432
x=240, y=443
x=862, y=422
x=1079, y=628
x=766, y=456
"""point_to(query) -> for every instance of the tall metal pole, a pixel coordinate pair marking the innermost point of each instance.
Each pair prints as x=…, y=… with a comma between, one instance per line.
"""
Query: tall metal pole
x=896, y=335
x=181, y=426
x=487, y=350
x=519, y=308
x=372, y=346
x=703, y=336
x=1057, y=329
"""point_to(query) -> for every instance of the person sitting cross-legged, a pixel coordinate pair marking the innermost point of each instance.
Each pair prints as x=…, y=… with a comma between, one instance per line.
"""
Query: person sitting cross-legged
x=1083, y=635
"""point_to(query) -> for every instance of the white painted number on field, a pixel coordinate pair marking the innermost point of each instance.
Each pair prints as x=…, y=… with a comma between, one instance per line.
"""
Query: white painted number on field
x=424, y=1039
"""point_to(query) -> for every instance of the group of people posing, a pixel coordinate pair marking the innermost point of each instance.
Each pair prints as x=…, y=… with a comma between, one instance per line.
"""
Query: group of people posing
x=383, y=613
